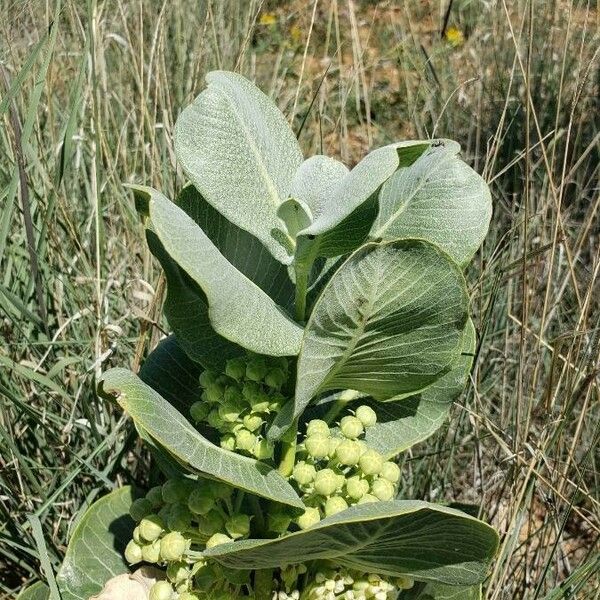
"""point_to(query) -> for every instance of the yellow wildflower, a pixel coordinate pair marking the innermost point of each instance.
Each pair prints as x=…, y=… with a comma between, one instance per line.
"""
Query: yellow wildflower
x=455, y=36
x=296, y=34
x=268, y=18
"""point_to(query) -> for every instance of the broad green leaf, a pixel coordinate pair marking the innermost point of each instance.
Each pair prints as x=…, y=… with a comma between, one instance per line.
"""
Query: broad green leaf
x=37, y=591
x=438, y=198
x=245, y=252
x=438, y=591
x=95, y=551
x=171, y=430
x=237, y=149
x=389, y=323
x=238, y=309
x=426, y=541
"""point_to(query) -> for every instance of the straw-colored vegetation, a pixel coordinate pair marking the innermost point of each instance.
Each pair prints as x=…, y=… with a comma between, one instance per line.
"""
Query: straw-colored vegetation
x=89, y=94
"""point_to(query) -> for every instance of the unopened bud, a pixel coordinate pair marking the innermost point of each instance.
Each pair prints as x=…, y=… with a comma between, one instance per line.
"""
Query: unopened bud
x=178, y=572
x=214, y=392
x=348, y=452
x=230, y=411
x=356, y=487
x=236, y=368
x=227, y=442
x=310, y=517
x=278, y=521
x=263, y=450
x=326, y=482
x=161, y=590
x=180, y=518
x=366, y=415
x=256, y=369
x=404, y=582
x=304, y=473
x=133, y=553
x=317, y=446
x=151, y=552
x=201, y=500
x=351, y=427
x=275, y=378
x=217, y=539
x=210, y=523
x=390, y=471
x=238, y=526
x=207, y=378
x=199, y=411
x=253, y=421
x=334, y=505
x=317, y=427
x=245, y=440
x=371, y=462
x=172, y=546
x=368, y=498
x=140, y=508
x=382, y=489
x=154, y=496
x=176, y=490
x=151, y=527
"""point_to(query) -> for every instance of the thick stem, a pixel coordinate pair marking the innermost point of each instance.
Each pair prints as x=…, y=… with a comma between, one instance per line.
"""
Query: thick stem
x=263, y=584
x=301, y=290
x=288, y=457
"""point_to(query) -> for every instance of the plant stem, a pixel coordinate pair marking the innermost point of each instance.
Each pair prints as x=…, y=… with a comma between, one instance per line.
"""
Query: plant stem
x=301, y=289
x=338, y=405
x=286, y=465
x=263, y=584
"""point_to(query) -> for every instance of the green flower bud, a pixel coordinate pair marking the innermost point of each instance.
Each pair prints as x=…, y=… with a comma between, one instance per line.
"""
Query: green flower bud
x=182, y=588
x=178, y=572
x=218, y=539
x=277, y=401
x=233, y=393
x=188, y=596
x=382, y=489
x=154, y=496
x=214, y=392
x=367, y=498
x=245, y=440
x=207, y=378
x=230, y=411
x=180, y=518
x=199, y=411
x=261, y=402
x=366, y=415
x=275, y=378
x=371, y=462
x=256, y=369
x=161, y=590
x=250, y=390
x=348, y=452
x=317, y=446
x=310, y=517
x=151, y=527
x=326, y=482
x=220, y=490
x=351, y=427
x=137, y=538
x=214, y=419
x=335, y=504
x=278, y=521
x=317, y=427
x=140, y=508
x=176, y=490
x=151, y=552
x=210, y=523
x=333, y=445
x=390, y=471
x=236, y=368
x=164, y=512
x=356, y=487
x=172, y=546
x=404, y=582
x=201, y=500
x=227, y=442
x=253, y=421
x=238, y=526
x=133, y=553
x=263, y=450
x=304, y=473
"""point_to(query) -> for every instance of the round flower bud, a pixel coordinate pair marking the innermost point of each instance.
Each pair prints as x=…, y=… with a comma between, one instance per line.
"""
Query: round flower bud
x=263, y=450
x=218, y=539
x=210, y=523
x=351, y=427
x=261, y=402
x=172, y=546
x=140, y=508
x=201, y=500
x=176, y=490
x=164, y=512
x=227, y=442
x=233, y=393
x=317, y=427
x=133, y=553
x=220, y=489
x=356, y=487
x=382, y=489
x=277, y=400
x=256, y=369
x=310, y=517
x=335, y=504
x=238, y=526
x=207, y=378
x=366, y=415
x=188, y=596
x=275, y=378
x=137, y=538
x=390, y=471
x=214, y=392
x=178, y=571
x=230, y=411
x=253, y=421
x=154, y=496
x=278, y=521
x=326, y=482
x=161, y=590
x=199, y=411
x=404, y=582
x=368, y=498
x=180, y=517
x=348, y=452
x=151, y=552
x=250, y=390
x=236, y=368
x=245, y=440
x=371, y=462
x=317, y=446
x=151, y=527
x=334, y=442
x=214, y=419
x=304, y=473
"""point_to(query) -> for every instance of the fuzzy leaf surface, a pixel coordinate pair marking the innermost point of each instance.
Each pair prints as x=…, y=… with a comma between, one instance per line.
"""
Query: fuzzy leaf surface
x=95, y=550
x=36, y=591
x=163, y=423
x=437, y=591
x=426, y=541
x=238, y=150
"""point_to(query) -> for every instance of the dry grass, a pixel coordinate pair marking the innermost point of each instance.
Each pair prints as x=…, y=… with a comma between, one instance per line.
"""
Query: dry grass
x=92, y=103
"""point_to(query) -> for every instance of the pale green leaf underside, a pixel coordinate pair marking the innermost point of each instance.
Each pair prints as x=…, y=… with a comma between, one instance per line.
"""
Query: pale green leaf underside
x=171, y=430
x=94, y=554
x=426, y=541
x=438, y=198
x=437, y=591
x=388, y=323
x=238, y=309
x=240, y=153
x=37, y=591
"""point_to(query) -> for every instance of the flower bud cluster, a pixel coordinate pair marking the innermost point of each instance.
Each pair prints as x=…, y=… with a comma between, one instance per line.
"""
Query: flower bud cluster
x=345, y=584
x=176, y=516
x=339, y=470
x=242, y=402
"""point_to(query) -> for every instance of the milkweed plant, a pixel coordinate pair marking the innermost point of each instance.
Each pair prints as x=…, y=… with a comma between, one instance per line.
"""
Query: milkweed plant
x=320, y=327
